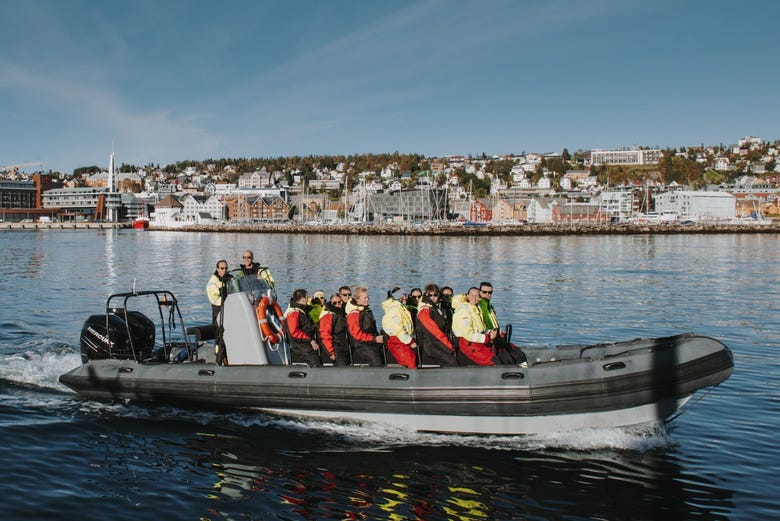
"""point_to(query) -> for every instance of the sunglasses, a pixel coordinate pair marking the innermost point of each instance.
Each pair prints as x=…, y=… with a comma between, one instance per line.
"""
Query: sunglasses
x=431, y=295
x=486, y=292
x=245, y=257
x=221, y=267
x=345, y=294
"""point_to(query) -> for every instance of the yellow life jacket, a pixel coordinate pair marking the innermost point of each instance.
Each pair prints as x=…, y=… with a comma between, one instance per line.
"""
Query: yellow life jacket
x=397, y=321
x=467, y=323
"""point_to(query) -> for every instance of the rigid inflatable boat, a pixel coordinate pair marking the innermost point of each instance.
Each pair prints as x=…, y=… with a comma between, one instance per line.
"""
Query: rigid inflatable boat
x=127, y=355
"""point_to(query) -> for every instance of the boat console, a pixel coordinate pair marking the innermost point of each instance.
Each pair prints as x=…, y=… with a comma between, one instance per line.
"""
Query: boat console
x=246, y=307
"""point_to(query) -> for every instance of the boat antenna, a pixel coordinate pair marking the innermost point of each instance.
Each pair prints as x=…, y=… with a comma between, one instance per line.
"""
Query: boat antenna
x=133, y=285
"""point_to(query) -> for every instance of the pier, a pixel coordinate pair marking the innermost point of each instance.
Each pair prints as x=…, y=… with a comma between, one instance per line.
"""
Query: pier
x=64, y=226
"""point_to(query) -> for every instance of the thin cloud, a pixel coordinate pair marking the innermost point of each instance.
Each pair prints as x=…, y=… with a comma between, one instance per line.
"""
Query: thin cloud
x=146, y=135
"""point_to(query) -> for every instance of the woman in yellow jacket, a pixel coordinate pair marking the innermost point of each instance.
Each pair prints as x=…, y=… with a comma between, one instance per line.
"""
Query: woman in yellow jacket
x=469, y=326
x=397, y=323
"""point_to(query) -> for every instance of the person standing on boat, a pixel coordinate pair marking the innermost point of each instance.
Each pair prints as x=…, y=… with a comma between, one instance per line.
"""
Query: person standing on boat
x=333, y=331
x=398, y=325
x=433, y=330
x=469, y=326
x=248, y=266
x=301, y=330
x=216, y=288
x=361, y=326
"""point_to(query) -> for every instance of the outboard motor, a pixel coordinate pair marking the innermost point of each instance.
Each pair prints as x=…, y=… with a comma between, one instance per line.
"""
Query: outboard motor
x=122, y=336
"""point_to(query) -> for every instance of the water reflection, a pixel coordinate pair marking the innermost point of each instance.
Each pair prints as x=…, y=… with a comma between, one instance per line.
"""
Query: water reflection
x=451, y=482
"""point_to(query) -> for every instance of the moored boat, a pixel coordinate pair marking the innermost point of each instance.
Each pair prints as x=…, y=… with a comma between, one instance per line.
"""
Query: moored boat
x=126, y=355
x=141, y=223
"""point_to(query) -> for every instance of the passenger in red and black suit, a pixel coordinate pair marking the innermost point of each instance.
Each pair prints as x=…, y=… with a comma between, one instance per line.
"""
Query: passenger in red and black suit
x=361, y=325
x=302, y=330
x=333, y=331
x=433, y=330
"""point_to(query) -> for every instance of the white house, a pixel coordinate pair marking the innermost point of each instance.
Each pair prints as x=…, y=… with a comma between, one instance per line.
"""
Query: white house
x=540, y=210
x=721, y=163
x=543, y=183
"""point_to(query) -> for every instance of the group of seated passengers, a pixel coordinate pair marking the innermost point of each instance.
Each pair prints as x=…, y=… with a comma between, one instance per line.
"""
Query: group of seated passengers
x=426, y=327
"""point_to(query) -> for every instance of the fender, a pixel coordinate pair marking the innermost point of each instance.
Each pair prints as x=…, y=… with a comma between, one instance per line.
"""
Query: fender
x=267, y=328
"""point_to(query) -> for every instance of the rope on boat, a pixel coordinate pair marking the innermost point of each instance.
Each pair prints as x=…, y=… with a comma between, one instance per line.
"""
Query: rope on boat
x=689, y=404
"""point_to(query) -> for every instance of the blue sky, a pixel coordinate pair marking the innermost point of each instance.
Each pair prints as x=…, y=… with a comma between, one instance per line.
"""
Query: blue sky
x=165, y=81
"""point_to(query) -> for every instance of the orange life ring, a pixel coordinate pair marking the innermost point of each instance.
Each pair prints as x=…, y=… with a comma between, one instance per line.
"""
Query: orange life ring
x=267, y=328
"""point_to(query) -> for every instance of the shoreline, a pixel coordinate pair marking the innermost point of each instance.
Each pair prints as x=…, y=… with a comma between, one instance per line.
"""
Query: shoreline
x=446, y=229
x=459, y=230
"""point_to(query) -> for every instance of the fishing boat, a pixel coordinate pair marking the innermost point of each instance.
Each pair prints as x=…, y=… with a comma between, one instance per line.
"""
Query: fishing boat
x=140, y=349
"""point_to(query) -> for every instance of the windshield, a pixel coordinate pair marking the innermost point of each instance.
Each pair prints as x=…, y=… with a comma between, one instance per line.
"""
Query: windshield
x=255, y=285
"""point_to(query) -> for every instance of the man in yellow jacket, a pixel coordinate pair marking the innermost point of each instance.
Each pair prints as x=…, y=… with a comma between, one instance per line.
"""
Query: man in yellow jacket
x=216, y=288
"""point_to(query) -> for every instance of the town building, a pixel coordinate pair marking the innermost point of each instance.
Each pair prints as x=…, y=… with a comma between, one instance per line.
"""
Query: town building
x=84, y=203
x=571, y=212
x=702, y=206
x=256, y=208
x=618, y=204
x=168, y=211
x=540, y=210
x=194, y=206
x=23, y=200
x=408, y=205
x=633, y=156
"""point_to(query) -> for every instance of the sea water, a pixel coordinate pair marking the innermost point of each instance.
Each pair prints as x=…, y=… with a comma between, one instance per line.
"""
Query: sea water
x=64, y=457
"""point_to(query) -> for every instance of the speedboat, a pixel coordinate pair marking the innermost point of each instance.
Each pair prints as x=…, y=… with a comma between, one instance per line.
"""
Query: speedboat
x=141, y=350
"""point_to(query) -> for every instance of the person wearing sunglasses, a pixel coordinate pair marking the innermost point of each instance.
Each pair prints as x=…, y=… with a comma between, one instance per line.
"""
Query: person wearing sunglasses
x=433, y=330
x=411, y=301
x=486, y=308
x=333, y=331
x=302, y=330
x=216, y=288
x=345, y=292
x=248, y=266
x=445, y=302
x=506, y=352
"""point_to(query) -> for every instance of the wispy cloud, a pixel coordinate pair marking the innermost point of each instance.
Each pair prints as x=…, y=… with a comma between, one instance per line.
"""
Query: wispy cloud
x=95, y=110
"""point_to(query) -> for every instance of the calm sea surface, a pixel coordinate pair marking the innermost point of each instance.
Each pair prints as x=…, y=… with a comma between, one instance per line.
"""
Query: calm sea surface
x=65, y=458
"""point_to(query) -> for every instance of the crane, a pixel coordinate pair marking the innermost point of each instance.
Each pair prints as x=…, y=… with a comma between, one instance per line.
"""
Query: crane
x=15, y=168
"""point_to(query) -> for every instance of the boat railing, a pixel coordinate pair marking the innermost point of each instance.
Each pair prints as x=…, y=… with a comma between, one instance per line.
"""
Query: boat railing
x=173, y=339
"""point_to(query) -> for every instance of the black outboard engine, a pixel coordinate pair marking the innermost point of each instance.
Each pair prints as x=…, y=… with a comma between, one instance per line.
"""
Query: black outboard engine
x=124, y=336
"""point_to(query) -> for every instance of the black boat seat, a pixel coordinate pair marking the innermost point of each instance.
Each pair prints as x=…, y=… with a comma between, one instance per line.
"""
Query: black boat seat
x=203, y=332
